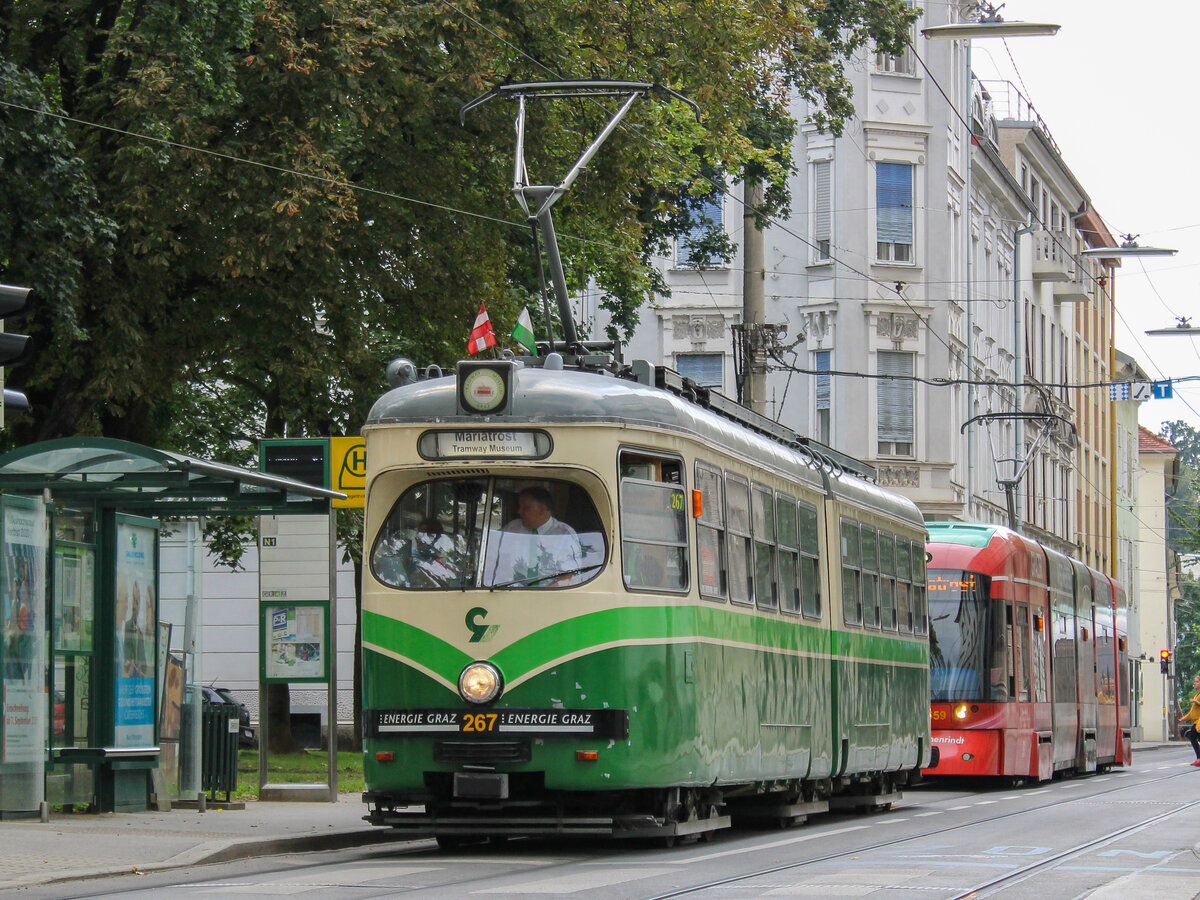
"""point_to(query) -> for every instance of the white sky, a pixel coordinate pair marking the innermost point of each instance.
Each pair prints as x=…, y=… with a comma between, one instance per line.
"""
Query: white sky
x=1115, y=87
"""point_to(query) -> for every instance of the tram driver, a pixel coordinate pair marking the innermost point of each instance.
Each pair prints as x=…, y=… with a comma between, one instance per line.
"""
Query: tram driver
x=547, y=551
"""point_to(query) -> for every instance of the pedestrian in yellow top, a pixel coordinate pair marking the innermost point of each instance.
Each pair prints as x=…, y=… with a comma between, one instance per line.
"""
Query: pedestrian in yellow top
x=1193, y=717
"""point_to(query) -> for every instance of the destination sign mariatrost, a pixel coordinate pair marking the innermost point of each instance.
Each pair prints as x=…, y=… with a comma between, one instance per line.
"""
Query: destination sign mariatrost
x=475, y=443
x=603, y=723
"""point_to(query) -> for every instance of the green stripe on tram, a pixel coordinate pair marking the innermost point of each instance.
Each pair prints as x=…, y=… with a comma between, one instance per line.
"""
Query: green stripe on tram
x=645, y=625
x=415, y=643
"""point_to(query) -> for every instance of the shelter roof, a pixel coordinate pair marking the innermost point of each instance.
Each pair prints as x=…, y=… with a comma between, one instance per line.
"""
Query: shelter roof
x=132, y=476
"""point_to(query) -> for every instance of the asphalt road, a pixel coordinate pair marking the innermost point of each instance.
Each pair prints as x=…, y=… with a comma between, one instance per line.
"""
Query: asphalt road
x=1129, y=834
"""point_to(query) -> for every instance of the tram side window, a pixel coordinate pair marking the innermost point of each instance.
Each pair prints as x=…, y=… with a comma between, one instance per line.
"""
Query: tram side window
x=789, y=553
x=920, y=599
x=904, y=605
x=764, y=548
x=1038, y=653
x=870, y=578
x=1106, y=664
x=737, y=500
x=852, y=610
x=810, y=565
x=1022, y=651
x=887, y=581
x=710, y=534
x=1063, y=666
x=653, y=524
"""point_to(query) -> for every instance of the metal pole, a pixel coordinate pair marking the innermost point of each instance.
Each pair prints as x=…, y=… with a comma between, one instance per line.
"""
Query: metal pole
x=970, y=143
x=1018, y=362
x=753, y=306
x=331, y=694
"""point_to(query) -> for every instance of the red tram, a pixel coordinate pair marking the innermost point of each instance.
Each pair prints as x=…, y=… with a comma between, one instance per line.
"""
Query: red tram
x=1028, y=658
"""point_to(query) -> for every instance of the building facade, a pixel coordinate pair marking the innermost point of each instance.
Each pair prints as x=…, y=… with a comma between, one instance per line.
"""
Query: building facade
x=1157, y=473
x=925, y=305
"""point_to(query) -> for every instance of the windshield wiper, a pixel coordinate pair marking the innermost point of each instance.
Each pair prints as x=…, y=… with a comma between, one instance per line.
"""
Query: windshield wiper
x=538, y=579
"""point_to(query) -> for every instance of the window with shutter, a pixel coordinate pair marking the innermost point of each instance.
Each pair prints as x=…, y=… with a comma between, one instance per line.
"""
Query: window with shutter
x=895, y=396
x=894, y=211
x=822, y=362
x=822, y=207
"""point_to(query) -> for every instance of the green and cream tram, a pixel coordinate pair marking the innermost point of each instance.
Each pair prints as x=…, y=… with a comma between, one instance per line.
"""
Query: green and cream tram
x=594, y=605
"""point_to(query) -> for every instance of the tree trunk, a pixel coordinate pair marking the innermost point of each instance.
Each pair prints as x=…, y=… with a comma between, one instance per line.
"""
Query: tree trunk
x=279, y=719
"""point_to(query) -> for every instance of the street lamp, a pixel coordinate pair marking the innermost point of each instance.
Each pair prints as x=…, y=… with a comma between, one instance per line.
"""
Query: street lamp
x=1129, y=247
x=1183, y=325
x=991, y=25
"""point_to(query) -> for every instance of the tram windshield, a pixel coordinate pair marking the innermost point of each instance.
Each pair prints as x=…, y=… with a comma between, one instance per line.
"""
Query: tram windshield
x=496, y=533
x=966, y=656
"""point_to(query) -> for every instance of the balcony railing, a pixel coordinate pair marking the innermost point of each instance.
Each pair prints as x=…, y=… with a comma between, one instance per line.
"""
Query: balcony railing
x=1051, y=261
x=1079, y=289
x=1007, y=104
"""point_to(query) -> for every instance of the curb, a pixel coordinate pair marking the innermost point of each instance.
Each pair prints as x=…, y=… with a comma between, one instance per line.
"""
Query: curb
x=225, y=851
x=309, y=842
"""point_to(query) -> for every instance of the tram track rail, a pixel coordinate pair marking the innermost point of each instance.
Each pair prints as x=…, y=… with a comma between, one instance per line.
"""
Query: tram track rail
x=978, y=890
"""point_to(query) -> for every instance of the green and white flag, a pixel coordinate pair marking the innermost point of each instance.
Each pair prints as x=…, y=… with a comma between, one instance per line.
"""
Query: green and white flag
x=523, y=331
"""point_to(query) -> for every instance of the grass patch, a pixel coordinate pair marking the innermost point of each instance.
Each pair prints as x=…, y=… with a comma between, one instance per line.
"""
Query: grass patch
x=300, y=767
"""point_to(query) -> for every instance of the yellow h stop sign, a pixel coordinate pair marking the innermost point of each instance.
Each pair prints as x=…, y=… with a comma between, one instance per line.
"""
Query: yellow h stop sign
x=348, y=470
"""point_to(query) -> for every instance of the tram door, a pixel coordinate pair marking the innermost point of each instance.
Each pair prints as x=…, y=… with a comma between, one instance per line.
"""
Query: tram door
x=1085, y=624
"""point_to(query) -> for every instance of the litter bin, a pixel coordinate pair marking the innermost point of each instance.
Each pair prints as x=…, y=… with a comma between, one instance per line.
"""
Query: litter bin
x=219, y=749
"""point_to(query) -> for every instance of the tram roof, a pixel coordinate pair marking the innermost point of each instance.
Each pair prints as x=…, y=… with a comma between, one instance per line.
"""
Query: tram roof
x=564, y=396
x=969, y=534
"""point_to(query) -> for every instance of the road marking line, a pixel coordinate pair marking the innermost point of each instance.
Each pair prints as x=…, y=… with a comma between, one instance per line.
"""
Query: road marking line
x=783, y=843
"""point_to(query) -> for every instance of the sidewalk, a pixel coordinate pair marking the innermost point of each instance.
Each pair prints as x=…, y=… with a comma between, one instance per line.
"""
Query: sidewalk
x=84, y=845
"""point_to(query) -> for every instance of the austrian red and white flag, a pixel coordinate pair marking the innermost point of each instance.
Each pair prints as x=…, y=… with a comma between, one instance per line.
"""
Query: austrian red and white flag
x=482, y=335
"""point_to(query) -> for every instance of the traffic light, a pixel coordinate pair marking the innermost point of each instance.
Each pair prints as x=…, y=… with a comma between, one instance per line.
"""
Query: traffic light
x=1164, y=661
x=13, y=347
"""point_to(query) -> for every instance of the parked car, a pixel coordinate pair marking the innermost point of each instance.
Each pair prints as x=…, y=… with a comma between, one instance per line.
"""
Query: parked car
x=219, y=696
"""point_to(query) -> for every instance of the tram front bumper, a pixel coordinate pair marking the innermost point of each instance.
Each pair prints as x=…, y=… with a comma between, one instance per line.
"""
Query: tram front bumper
x=963, y=752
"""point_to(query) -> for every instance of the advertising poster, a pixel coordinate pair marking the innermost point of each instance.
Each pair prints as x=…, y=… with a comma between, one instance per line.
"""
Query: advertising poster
x=134, y=635
x=295, y=637
x=23, y=655
x=170, y=720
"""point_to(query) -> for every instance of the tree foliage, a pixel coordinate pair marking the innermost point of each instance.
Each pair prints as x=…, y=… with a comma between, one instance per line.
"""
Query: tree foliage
x=1187, y=639
x=238, y=211
x=1183, y=505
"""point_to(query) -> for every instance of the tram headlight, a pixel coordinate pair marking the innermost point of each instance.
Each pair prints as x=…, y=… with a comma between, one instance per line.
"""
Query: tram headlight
x=480, y=682
x=960, y=711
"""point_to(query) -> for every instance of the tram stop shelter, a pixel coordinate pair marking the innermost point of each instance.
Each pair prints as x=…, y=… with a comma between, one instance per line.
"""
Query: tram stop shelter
x=96, y=709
